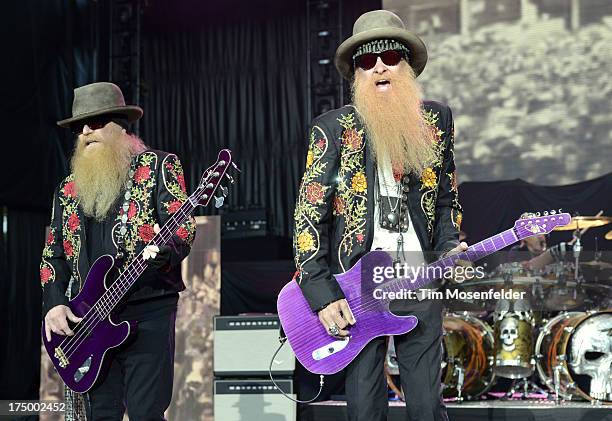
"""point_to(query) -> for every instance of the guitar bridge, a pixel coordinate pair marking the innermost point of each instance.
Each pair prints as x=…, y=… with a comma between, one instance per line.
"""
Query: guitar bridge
x=59, y=354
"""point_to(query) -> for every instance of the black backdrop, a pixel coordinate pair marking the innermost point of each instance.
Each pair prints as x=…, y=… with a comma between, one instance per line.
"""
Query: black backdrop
x=490, y=207
x=241, y=87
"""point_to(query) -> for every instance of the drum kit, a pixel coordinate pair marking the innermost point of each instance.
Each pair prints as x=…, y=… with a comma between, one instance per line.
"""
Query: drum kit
x=556, y=343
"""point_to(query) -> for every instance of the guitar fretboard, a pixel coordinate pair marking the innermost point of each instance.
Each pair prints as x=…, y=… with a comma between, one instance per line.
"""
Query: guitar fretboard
x=109, y=300
x=475, y=252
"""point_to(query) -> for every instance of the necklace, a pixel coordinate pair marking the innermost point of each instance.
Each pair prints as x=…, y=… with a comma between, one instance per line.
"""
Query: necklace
x=392, y=216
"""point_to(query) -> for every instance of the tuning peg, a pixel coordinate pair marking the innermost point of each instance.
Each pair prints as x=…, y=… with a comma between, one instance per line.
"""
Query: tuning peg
x=219, y=201
x=224, y=190
x=230, y=178
x=236, y=167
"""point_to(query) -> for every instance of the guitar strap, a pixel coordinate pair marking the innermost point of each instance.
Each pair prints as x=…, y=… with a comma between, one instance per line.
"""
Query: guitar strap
x=123, y=212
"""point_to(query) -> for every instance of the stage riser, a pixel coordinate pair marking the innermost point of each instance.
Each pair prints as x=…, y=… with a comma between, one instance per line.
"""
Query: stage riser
x=538, y=412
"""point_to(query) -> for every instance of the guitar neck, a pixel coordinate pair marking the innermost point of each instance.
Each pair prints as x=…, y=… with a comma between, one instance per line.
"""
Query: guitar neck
x=473, y=253
x=136, y=267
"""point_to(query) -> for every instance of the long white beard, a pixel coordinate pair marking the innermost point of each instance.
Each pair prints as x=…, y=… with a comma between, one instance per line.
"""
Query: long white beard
x=394, y=120
x=100, y=175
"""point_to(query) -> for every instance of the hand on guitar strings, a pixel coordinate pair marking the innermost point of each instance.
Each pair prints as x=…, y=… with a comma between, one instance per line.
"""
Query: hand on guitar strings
x=157, y=257
x=335, y=317
x=56, y=321
x=462, y=246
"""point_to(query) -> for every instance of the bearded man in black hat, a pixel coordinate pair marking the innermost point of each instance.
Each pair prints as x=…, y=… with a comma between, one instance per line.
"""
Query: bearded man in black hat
x=117, y=195
x=380, y=174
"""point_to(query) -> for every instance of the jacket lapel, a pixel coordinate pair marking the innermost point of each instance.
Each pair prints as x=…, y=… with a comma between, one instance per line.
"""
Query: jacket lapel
x=370, y=167
x=416, y=216
x=83, y=262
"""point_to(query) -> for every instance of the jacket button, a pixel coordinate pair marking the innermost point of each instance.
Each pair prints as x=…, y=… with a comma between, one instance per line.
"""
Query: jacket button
x=405, y=179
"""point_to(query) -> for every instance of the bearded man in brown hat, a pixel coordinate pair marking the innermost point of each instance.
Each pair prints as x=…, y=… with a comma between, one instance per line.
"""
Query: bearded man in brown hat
x=380, y=174
x=117, y=195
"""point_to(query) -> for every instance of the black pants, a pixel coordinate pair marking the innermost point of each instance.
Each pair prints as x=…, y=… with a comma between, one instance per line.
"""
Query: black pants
x=419, y=354
x=140, y=375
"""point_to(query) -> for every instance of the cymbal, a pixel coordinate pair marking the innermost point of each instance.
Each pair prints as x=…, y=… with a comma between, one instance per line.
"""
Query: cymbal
x=581, y=222
x=608, y=236
x=541, y=294
x=596, y=264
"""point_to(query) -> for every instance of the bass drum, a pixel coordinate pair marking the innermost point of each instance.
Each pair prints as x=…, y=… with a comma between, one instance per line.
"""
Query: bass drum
x=574, y=355
x=467, y=363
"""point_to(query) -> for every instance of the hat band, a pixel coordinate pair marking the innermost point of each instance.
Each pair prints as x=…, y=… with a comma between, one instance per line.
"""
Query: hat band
x=379, y=45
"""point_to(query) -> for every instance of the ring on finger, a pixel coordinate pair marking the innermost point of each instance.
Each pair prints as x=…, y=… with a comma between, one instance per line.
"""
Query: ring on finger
x=334, y=330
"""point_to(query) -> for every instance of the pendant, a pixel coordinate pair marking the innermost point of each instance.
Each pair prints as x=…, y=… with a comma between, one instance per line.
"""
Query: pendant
x=392, y=218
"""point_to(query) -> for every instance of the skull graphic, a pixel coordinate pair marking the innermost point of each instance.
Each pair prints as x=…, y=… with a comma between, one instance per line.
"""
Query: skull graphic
x=509, y=332
x=591, y=354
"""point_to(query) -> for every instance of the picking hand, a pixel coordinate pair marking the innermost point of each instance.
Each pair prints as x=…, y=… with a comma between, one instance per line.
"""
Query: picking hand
x=336, y=317
x=56, y=321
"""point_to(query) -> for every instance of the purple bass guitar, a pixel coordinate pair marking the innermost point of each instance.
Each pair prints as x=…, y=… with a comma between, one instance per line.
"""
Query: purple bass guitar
x=80, y=359
x=321, y=353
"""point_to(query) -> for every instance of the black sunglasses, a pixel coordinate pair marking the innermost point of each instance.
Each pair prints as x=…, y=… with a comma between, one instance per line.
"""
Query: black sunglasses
x=94, y=123
x=388, y=57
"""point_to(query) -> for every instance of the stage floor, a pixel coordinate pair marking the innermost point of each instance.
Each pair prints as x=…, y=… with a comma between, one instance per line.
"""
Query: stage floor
x=536, y=410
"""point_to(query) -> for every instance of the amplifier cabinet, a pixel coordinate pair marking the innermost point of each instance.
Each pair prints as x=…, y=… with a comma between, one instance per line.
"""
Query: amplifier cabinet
x=244, y=345
x=253, y=400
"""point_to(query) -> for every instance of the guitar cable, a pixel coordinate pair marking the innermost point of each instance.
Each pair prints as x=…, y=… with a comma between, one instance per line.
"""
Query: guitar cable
x=282, y=339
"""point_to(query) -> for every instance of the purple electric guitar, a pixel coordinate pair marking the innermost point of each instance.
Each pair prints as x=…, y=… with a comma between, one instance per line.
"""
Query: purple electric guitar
x=321, y=353
x=79, y=359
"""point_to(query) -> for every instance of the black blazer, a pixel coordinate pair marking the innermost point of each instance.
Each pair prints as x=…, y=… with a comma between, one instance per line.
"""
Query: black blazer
x=334, y=213
x=157, y=191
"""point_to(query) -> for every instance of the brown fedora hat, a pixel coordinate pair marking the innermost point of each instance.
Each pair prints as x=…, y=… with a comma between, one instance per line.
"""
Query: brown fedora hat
x=97, y=99
x=374, y=25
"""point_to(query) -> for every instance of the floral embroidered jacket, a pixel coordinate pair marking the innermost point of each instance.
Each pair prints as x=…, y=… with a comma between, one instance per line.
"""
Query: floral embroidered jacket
x=334, y=213
x=158, y=190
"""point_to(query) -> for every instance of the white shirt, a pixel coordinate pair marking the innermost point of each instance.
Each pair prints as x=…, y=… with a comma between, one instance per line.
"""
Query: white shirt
x=385, y=239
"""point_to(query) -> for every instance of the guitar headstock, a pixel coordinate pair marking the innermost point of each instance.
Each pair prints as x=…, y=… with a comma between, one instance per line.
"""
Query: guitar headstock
x=213, y=177
x=531, y=224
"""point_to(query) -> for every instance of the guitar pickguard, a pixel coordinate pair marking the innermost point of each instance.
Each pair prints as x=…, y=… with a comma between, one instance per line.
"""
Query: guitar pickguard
x=329, y=349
